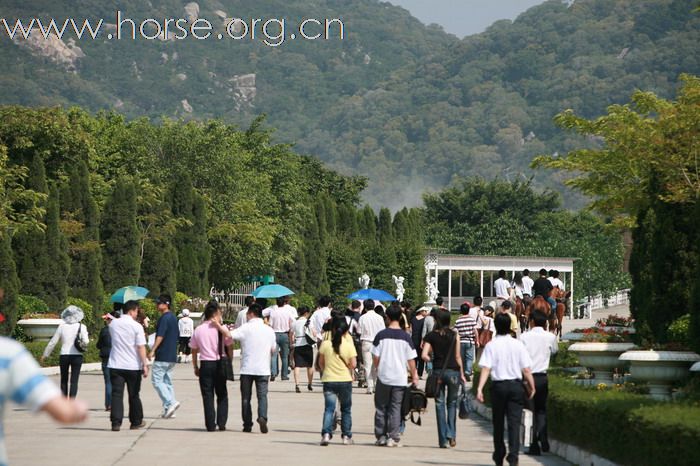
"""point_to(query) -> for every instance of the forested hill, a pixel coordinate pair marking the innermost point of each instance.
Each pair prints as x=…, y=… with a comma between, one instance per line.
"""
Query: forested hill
x=407, y=105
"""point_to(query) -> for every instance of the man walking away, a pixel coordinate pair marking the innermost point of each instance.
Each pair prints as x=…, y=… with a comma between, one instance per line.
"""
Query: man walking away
x=502, y=288
x=127, y=364
x=507, y=361
x=165, y=352
x=543, y=287
x=540, y=345
x=186, y=328
x=466, y=327
x=281, y=319
x=241, y=317
x=320, y=317
x=527, y=284
x=392, y=351
x=370, y=325
x=258, y=343
x=104, y=344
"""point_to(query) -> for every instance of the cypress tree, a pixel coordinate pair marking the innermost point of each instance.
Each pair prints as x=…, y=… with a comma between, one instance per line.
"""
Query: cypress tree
x=385, y=252
x=316, y=282
x=200, y=217
x=641, y=307
x=120, y=237
x=56, y=283
x=9, y=283
x=695, y=290
x=30, y=254
x=159, y=268
x=85, y=280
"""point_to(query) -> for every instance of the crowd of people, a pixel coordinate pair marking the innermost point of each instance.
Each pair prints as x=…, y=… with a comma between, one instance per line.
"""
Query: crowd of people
x=385, y=350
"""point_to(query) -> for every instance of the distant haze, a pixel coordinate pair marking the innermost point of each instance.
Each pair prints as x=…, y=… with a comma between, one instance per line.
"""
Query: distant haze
x=465, y=17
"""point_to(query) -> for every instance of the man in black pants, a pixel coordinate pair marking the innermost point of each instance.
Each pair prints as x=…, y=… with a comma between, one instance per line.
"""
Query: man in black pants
x=127, y=364
x=507, y=361
x=540, y=345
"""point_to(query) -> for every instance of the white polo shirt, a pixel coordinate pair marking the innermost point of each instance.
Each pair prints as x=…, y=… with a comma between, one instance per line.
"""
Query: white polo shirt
x=257, y=344
x=540, y=345
x=318, y=318
x=242, y=317
x=506, y=357
x=370, y=325
x=127, y=335
x=501, y=285
x=281, y=319
x=527, y=285
x=556, y=282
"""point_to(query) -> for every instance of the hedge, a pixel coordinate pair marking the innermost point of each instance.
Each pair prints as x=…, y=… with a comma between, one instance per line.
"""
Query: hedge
x=37, y=349
x=623, y=427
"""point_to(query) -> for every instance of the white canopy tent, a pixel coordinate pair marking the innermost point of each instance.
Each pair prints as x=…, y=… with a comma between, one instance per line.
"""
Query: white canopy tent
x=487, y=266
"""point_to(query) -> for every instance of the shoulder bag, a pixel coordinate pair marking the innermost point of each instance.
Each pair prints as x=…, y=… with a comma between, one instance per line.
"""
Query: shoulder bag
x=434, y=380
x=79, y=344
x=308, y=333
x=225, y=365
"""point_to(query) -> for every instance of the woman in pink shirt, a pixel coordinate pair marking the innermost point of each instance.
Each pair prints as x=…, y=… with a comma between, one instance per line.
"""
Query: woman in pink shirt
x=208, y=343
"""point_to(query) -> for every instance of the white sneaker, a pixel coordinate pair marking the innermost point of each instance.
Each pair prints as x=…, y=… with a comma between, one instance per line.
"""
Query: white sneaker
x=347, y=440
x=391, y=443
x=171, y=410
x=325, y=440
x=381, y=442
x=369, y=391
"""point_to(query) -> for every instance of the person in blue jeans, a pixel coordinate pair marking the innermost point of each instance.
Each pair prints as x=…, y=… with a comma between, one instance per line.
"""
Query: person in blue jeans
x=104, y=344
x=444, y=344
x=337, y=359
x=165, y=352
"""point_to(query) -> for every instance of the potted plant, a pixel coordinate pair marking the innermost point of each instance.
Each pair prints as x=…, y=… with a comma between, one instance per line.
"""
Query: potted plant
x=600, y=350
x=616, y=323
x=35, y=319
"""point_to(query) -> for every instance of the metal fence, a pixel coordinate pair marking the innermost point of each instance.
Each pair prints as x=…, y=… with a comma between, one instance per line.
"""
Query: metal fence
x=592, y=303
x=234, y=297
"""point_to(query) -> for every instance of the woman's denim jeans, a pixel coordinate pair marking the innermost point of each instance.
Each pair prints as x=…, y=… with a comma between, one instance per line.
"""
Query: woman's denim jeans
x=342, y=391
x=446, y=405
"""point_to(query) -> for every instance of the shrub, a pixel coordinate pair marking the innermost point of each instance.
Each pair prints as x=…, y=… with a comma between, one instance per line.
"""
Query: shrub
x=179, y=302
x=89, y=321
x=679, y=330
x=31, y=306
x=564, y=358
x=37, y=349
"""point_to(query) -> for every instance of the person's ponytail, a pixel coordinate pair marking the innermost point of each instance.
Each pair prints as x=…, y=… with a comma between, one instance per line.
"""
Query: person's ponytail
x=340, y=328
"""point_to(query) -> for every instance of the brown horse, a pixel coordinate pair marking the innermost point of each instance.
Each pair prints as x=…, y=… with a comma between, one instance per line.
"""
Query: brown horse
x=562, y=298
x=539, y=304
x=521, y=306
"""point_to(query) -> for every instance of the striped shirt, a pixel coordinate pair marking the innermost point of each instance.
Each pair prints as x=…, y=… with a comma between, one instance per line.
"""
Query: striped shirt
x=21, y=381
x=466, y=326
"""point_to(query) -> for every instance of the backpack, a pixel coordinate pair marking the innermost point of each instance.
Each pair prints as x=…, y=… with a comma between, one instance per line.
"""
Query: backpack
x=414, y=402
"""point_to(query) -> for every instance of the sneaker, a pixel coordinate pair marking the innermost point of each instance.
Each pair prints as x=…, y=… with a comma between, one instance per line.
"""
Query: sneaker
x=391, y=443
x=381, y=442
x=171, y=410
x=369, y=391
x=325, y=439
x=263, y=425
x=138, y=426
x=453, y=442
x=347, y=440
x=116, y=427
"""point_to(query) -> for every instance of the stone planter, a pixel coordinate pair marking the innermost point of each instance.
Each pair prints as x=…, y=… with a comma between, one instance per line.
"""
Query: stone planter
x=40, y=329
x=196, y=318
x=660, y=369
x=695, y=367
x=603, y=358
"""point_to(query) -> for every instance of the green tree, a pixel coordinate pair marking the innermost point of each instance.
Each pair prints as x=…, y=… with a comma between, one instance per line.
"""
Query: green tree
x=56, y=283
x=120, y=237
x=9, y=284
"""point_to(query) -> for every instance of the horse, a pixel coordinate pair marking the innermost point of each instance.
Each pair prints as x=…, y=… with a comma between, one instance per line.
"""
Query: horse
x=562, y=298
x=539, y=304
x=520, y=312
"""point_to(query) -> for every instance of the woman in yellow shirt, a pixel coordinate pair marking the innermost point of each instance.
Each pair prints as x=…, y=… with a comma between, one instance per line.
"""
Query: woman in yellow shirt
x=337, y=359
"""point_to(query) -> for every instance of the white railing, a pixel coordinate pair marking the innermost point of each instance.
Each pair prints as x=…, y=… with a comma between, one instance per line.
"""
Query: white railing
x=234, y=297
x=592, y=303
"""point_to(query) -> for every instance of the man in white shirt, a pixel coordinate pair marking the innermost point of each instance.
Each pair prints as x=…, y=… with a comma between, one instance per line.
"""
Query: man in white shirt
x=127, y=364
x=369, y=326
x=186, y=327
x=554, y=279
x=392, y=351
x=258, y=343
x=502, y=288
x=320, y=316
x=540, y=345
x=241, y=317
x=527, y=284
x=507, y=361
x=281, y=319
x=475, y=312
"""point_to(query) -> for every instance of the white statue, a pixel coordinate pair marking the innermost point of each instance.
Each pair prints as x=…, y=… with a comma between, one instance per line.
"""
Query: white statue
x=400, y=290
x=433, y=292
x=364, y=281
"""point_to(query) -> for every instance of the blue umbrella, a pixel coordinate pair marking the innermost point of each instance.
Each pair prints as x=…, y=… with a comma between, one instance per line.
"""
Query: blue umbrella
x=272, y=291
x=371, y=293
x=129, y=293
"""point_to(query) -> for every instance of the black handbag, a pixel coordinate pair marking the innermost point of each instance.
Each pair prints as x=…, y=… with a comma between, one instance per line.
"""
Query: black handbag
x=79, y=344
x=225, y=365
x=434, y=380
x=308, y=334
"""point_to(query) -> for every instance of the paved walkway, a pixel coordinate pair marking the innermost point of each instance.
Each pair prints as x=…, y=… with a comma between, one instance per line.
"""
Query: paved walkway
x=572, y=324
x=295, y=422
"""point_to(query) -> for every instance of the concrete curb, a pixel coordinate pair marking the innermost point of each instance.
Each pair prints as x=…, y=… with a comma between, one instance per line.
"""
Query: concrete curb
x=570, y=453
x=97, y=366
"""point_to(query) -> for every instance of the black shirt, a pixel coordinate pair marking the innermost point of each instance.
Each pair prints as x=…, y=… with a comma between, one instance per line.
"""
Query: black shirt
x=441, y=345
x=542, y=287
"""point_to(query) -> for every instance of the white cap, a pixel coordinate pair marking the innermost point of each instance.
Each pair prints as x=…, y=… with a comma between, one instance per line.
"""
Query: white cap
x=185, y=312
